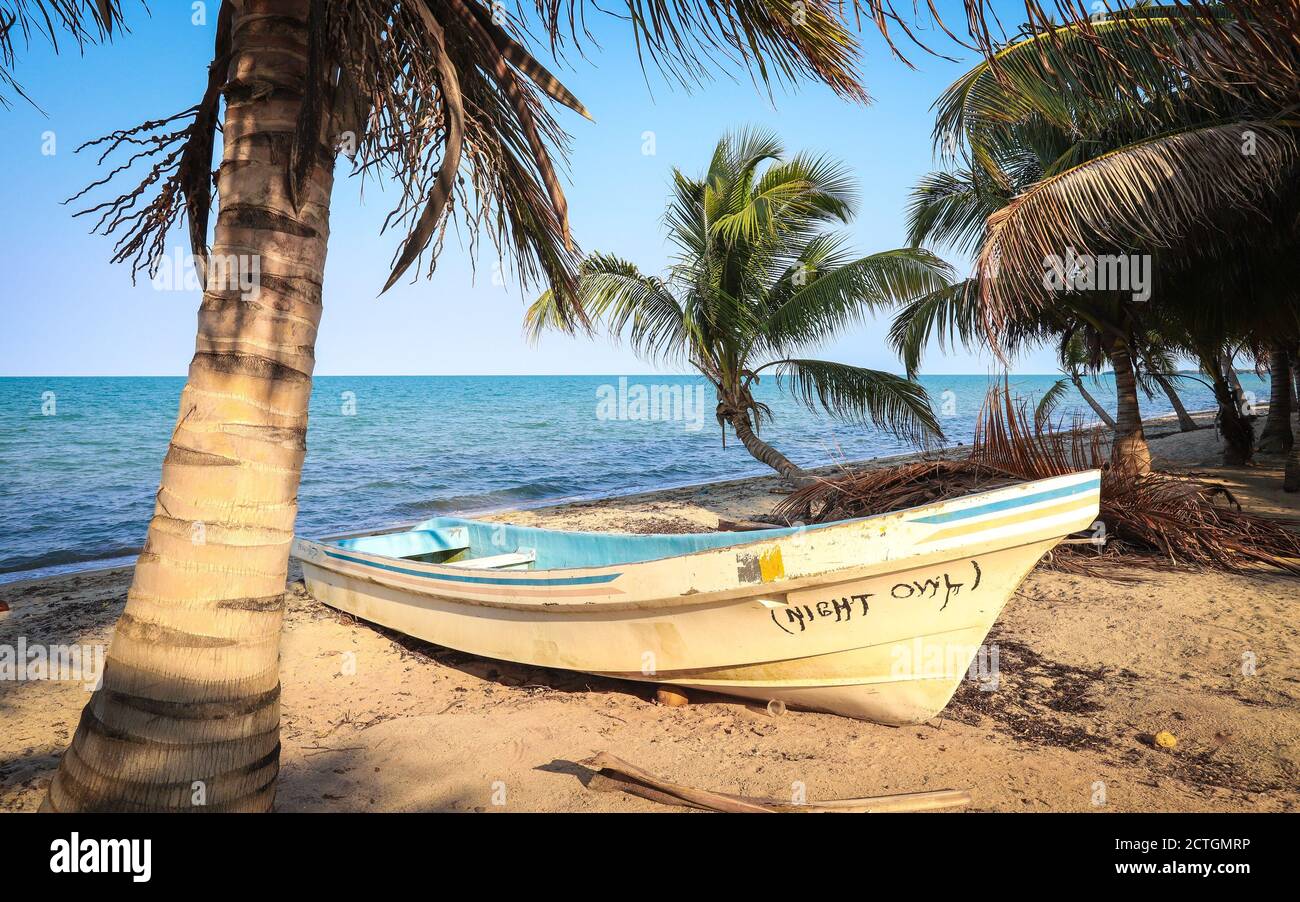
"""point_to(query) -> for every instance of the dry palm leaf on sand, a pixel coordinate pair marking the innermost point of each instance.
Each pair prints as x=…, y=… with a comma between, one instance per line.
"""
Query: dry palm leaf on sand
x=1153, y=518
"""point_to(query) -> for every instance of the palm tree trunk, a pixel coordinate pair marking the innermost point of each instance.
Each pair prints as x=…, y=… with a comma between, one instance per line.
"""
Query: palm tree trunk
x=763, y=452
x=1185, y=421
x=1277, y=437
x=1101, y=412
x=1295, y=375
x=1129, y=451
x=1230, y=371
x=1291, y=478
x=1238, y=435
x=188, y=715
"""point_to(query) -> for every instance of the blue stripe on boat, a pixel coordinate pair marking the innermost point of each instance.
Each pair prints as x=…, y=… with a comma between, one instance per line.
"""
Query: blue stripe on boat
x=1078, y=488
x=485, y=580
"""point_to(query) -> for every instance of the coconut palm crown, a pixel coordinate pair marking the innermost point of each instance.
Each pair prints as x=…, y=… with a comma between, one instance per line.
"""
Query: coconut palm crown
x=759, y=279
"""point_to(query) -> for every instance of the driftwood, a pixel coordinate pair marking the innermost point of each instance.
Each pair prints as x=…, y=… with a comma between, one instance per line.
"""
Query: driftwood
x=743, y=525
x=616, y=775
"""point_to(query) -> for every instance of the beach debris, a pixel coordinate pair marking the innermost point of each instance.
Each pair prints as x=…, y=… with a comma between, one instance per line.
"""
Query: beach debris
x=1155, y=519
x=672, y=697
x=613, y=774
x=776, y=707
x=1162, y=741
x=725, y=525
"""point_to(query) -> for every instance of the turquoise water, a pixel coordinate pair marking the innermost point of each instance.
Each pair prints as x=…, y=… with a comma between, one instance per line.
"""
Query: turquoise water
x=81, y=456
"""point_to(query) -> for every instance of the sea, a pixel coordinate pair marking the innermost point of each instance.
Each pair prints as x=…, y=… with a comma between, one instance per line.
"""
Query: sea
x=81, y=457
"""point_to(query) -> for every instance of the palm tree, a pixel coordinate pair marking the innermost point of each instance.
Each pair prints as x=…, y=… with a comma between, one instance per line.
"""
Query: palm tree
x=1160, y=371
x=443, y=97
x=756, y=282
x=1126, y=136
x=955, y=209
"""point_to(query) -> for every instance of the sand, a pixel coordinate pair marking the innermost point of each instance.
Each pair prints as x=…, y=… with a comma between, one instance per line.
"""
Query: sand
x=1089, y=669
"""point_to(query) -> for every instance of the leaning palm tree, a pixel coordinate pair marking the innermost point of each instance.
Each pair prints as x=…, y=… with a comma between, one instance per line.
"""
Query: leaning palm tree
x=1159, y=371
x=1077, y=359
x=1165, y=379
x=758, y=280
x=444, y=98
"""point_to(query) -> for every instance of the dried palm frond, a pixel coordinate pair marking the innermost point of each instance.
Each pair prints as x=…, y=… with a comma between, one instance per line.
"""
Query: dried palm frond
x=179, y=180
x=860, y=493
x=1249, y=47
x=1154, y=194
x=1148, y=519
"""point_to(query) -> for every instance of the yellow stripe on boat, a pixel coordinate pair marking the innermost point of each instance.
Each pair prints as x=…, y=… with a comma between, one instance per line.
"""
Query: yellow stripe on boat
x=1030, y=516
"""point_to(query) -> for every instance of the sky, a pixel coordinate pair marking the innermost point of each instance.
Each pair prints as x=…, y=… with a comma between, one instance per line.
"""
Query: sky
x=68, y=311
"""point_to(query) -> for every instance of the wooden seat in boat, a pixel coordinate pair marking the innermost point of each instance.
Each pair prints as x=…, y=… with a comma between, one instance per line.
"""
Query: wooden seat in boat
x=515, y=560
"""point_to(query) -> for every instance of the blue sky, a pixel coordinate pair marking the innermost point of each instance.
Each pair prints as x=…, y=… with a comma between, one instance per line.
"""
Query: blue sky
x=67, y=311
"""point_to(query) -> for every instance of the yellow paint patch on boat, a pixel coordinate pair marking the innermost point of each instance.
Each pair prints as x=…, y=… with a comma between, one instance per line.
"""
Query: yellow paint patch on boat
x=770, y=565
x=1074, y=504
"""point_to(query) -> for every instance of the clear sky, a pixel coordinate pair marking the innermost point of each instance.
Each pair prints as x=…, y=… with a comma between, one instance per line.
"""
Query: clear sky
x=67, y=311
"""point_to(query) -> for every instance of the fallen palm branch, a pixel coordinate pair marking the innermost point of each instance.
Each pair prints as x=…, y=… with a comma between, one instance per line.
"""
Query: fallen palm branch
x=1153, y=518
x=616, y=775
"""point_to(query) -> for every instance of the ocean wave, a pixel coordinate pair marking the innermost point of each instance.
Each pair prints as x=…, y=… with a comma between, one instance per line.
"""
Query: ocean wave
x=61, y=558
x=528, y=491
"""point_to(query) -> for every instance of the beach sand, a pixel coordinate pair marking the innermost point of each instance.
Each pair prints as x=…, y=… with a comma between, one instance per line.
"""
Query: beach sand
x=1089, y=668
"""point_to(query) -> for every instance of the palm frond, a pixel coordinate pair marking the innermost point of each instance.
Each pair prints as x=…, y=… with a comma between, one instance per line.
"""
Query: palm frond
x=1241, y=47
x=22, y=21
x=951, y=209
x=827, y=303
x=885, y=400
x=1148, y=195
x=1050, y=400
x=613, y=292
x=1065, y=77
x=178, y=153
x=951, y=315
x=779, y=41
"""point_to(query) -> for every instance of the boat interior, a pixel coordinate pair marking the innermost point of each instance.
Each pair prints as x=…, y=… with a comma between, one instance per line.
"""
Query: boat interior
x=500, y=546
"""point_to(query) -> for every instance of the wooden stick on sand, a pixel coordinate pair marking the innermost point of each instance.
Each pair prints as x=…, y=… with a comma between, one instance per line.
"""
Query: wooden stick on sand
x=616, y=775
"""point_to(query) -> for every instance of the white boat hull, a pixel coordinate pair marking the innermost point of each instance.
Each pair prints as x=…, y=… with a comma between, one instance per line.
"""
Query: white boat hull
x=878, y=618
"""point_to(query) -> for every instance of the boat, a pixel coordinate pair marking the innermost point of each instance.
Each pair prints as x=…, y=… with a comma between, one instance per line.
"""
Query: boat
x=878, y=618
